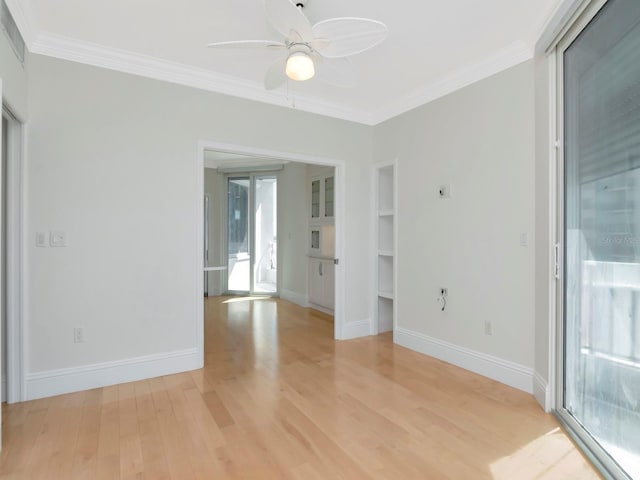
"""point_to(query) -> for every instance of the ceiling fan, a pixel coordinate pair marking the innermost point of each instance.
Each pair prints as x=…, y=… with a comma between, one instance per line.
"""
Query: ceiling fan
x=323, y=47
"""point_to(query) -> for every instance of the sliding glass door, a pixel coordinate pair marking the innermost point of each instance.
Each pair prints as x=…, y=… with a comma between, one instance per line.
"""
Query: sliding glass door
x=238, y=235
x=266, y=230
x=599, y=396
x=252, y=234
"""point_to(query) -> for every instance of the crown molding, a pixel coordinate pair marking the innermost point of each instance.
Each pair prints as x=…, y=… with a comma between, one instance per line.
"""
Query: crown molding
x=515, y=54
x=74, y=50
x=24, y=20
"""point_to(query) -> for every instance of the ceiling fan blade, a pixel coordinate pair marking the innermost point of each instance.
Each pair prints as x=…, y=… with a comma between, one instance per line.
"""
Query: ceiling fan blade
x=248, y=45
x=286, y=18
x=276, y=75
x=318, y=44
x=348, y=36
x=338, y=72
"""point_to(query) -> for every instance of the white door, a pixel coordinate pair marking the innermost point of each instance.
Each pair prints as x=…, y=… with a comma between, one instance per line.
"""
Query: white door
x=316, y=287
x=329, y=281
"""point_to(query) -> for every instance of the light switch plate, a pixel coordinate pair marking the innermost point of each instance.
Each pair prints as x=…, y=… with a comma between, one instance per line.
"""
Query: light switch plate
x=58, y=239
x=41, y=239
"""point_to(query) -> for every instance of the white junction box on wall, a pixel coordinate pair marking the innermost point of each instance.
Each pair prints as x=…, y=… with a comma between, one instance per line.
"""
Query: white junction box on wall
x=58, y=239
x=444, y=191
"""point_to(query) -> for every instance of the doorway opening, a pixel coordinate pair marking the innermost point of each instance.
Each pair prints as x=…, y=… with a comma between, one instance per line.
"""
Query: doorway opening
x=265, y=225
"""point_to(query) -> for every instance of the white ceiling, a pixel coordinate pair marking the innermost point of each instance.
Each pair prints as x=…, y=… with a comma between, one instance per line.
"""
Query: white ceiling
x=433, y=47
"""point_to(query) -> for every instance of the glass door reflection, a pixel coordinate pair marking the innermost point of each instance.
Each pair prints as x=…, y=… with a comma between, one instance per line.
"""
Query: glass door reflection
x=252, y=228
x=238, y=235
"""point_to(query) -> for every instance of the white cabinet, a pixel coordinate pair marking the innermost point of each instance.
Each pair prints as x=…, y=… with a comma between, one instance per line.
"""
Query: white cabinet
x=321, y=282
x=385, y=261
x=321, y=241
x=322, y=197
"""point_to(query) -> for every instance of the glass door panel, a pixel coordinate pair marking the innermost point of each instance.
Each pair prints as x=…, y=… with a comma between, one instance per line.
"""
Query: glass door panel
x=328, y=197
x=315, y=199
x=238, y=235
x=601, y=390
x=265, y=262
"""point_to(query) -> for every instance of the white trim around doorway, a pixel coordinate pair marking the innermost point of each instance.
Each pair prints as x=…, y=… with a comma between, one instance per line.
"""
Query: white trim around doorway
x=16, y=352
x=339, y=322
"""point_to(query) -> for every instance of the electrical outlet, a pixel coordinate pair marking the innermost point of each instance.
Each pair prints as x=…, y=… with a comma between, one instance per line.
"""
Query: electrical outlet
x=488, y=329
x=78, y=335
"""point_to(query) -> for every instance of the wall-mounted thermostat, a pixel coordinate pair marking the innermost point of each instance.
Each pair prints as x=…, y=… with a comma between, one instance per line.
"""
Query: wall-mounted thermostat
x=444, y=191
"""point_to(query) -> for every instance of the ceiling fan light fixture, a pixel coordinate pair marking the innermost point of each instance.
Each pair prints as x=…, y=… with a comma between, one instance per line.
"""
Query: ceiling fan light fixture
x=300, y=67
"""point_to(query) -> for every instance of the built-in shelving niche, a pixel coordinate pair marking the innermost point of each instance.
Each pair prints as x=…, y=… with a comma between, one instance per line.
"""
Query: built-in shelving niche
x=385, y=218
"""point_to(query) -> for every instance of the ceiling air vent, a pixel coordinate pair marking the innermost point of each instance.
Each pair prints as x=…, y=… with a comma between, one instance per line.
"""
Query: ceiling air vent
x=11, y=29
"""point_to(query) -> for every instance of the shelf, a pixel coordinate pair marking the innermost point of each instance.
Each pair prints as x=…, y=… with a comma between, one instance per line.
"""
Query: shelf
x=385, y=233
x=385, y=315
x=385, y=274
x=385, y=247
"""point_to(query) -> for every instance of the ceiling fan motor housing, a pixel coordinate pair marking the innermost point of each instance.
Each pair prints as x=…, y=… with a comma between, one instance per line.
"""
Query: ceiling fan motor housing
x=327, y=43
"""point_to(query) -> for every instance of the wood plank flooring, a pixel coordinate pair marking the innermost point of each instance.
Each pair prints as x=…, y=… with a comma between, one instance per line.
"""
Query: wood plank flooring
x=279, y=399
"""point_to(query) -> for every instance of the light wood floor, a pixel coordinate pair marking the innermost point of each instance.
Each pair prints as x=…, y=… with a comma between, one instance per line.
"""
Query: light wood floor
x=279, y=399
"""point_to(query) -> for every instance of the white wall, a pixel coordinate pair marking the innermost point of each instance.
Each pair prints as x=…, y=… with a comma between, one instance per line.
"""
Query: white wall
x=480, y=140
x=14, y=94
x=14, y=78
x=127, y=275
x=543, y=252
x=293, y=226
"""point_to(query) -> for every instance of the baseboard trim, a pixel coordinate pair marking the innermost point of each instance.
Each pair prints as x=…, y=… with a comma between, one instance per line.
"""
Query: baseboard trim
x=542, y=392
x=67, y=380
x=295, y=297
x=320, y=308
x=510, y=373
x=361, y=328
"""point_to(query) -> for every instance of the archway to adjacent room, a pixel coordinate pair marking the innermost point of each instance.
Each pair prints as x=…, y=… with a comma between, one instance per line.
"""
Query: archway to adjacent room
x=327, y=223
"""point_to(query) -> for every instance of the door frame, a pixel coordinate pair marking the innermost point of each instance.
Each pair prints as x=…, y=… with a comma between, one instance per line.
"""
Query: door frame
x=16, y=136
x=587, y=10
x=340, y=210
